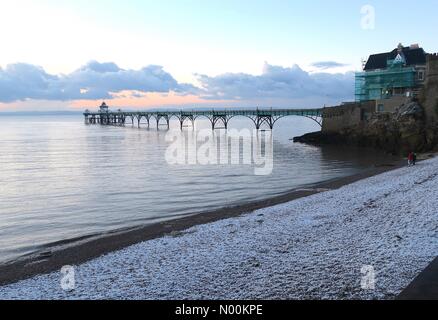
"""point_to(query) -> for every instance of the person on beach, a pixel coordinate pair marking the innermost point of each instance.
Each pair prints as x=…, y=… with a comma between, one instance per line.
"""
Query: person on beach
x=410, y=159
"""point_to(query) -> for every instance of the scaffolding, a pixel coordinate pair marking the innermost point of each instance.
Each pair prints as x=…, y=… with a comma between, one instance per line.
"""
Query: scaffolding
x=380, y=84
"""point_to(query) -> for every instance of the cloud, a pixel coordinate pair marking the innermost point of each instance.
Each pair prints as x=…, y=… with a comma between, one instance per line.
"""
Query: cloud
x=325, y=65
x=276, y=86
x=20, y=82
x=287, y=84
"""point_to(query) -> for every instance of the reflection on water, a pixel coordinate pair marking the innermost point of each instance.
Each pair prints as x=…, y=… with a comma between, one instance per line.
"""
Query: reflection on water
x=61, y=179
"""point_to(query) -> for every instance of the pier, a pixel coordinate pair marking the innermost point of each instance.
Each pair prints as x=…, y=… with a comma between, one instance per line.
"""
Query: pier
x=219, y=119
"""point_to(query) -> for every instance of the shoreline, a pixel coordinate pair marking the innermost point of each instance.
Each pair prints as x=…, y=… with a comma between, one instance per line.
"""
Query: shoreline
x=79, y=252
x=373, y=239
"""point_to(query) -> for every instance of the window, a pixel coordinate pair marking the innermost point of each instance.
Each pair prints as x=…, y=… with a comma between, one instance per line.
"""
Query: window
x=399, y=59
x=380, y=107
x=421, y=75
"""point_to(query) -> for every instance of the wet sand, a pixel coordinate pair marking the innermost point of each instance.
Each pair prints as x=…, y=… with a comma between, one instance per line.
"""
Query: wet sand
x=80, y=252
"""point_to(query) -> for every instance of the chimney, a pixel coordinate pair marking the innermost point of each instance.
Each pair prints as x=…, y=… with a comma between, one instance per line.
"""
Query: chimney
x=400, y=48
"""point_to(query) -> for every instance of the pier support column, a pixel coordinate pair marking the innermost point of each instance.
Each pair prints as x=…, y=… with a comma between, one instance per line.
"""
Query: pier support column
x=183, y=118
x=220, y=118
x=139, y=120
x=165, y=117
x=264, y=119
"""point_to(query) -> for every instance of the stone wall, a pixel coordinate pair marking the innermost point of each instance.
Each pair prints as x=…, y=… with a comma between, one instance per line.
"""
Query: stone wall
x=397, y=133
x=429, y=96
x=347, y=115
x=391, y=104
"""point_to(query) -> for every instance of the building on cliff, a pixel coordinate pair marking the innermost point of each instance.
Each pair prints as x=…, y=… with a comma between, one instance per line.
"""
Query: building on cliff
x=396, y=107
x=393, y=77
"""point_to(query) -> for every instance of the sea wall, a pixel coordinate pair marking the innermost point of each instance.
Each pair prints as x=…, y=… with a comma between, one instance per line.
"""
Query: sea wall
x=347, y=115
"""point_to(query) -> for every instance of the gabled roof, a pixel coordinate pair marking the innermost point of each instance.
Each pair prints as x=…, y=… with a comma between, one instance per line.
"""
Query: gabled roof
x=413, y=57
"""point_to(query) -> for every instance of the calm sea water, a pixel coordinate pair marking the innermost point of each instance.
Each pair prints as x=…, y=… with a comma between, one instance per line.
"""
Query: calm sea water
x=61, y=180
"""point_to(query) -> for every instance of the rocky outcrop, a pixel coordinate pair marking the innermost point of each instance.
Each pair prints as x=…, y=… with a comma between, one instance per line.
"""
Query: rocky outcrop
x=397, y=133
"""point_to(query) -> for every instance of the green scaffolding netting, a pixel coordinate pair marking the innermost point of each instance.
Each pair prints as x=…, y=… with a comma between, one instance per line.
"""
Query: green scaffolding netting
x=375, y=85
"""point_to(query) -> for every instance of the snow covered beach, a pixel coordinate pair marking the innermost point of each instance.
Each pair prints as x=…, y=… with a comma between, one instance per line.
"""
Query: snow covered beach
x=310, y=248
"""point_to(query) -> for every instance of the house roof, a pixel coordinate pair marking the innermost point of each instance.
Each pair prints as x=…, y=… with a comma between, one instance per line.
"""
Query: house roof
x=413, y=56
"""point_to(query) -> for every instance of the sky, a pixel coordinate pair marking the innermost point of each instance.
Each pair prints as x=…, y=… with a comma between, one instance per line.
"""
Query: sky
x=62, y=54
